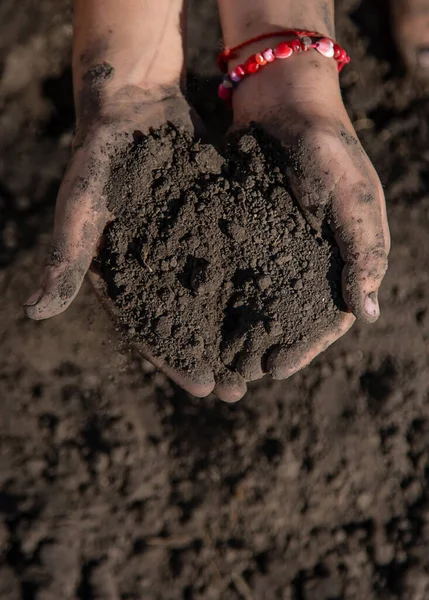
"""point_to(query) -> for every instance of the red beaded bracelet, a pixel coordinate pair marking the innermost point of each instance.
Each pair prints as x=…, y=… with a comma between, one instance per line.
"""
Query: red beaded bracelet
x=303, y=42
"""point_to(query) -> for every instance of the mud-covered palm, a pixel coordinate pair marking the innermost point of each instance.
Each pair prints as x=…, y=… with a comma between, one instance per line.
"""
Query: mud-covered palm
x=334, y=182
x=81, y=216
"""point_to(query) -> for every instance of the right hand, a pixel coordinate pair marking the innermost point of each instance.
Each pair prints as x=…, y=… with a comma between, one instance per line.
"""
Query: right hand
x=81, y=215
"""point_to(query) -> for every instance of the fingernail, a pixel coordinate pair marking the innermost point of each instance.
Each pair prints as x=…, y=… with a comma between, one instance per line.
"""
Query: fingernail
x=371, y=305
x=34, y=298
x=423, y=58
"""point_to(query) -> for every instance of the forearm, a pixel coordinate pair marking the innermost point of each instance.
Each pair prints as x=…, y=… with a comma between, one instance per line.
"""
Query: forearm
x=242, y=19
x=125, y=43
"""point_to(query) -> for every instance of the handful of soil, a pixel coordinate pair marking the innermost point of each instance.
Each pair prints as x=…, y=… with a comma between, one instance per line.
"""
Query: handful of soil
x=209, y=259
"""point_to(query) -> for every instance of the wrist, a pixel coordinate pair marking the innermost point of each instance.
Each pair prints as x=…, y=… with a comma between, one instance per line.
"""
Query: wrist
x=125, y=109
x=115, y=86
x=302, y=84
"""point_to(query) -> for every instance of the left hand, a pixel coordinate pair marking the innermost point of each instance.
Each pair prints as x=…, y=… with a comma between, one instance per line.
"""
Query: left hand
x=298, y=101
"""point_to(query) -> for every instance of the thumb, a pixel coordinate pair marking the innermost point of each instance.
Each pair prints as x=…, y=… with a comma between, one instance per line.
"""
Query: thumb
x=340, y=184
x=362, y=233
x=80, y=217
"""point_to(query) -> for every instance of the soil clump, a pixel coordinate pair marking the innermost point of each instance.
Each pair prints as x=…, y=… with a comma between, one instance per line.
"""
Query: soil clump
x=209, y=258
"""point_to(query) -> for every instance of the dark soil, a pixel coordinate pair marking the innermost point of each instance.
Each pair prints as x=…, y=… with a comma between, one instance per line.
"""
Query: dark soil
x=116, y=485
x=208, y=257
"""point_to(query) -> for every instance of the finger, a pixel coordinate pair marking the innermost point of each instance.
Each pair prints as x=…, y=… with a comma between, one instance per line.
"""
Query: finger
x=230, y=386
x=199, y=383
x=249, y=360
x=80, y=217
x=360, y=225
x=284, y=362
x=249, y=365
x=341, y=184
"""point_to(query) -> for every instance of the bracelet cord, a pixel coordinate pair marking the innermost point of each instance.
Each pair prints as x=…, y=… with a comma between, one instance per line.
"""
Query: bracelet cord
x=302, y=41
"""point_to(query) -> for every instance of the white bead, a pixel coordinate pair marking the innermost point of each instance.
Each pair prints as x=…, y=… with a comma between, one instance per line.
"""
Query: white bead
x=325, y=47
x=268, y=55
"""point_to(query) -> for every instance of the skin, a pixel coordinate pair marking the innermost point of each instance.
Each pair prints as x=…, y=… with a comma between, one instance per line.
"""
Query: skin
x=126, y=82
x=410, y=25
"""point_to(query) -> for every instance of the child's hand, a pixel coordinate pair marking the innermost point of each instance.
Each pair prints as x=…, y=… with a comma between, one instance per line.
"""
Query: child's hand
x=128, y=62
x=81, y=212
x=81, y=215
x=298, y=102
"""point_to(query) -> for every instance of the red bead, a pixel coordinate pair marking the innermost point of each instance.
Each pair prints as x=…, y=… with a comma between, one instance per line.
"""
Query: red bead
x=342, y=55
x=224, y=93
x=251, y=66
x=283, y=50
x=240, y=70
x=337, y=50
x=260, y=59
x=296, y=46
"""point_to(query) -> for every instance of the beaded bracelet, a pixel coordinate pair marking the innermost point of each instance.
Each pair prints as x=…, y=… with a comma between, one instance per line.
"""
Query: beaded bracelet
x=303, y=42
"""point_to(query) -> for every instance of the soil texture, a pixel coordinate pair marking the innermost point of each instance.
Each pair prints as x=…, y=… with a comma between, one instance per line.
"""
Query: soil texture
x=116, y=485
x=208, y=258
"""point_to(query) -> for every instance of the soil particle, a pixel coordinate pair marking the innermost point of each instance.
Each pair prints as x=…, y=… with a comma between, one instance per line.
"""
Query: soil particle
x=193, y=254
x=99, y=74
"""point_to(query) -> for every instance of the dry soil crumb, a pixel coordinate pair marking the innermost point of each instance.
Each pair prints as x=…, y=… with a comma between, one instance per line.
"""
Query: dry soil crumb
x=208, y=257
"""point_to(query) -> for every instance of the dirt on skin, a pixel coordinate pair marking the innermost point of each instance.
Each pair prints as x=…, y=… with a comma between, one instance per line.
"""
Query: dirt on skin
x=208, y=259
x=116, y=485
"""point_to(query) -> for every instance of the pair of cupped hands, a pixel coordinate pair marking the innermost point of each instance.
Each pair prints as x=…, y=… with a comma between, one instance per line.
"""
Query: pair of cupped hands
x=330, y=176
